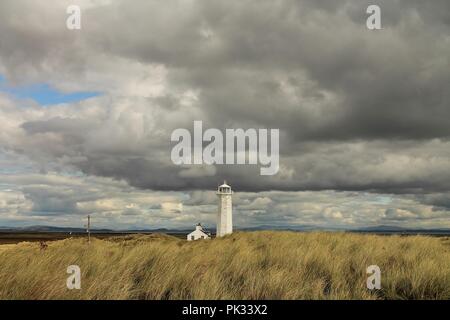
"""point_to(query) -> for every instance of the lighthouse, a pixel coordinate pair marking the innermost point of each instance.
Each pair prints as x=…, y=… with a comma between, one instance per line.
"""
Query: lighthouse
x=225, y=213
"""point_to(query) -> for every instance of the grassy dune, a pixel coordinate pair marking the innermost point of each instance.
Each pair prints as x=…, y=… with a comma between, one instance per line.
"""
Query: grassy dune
x=245, y=265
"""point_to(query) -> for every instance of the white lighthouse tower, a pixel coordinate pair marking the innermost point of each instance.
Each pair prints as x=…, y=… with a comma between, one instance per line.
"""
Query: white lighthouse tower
x=225, y=214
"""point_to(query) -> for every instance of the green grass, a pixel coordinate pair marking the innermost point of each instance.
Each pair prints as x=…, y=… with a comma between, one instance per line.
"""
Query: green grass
x=244, y=265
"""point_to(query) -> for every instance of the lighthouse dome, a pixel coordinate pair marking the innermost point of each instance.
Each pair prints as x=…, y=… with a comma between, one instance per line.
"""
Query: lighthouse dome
x=224, y=189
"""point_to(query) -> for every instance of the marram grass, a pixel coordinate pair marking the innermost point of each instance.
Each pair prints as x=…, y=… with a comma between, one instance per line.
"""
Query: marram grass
x=244, y=265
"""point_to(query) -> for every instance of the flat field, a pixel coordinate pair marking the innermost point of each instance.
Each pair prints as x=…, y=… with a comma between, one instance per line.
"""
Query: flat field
x=244, y=265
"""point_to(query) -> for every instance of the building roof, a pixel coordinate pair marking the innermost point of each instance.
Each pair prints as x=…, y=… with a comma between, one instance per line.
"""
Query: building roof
x=224, y=185
x=201, y=229
x=203, y=232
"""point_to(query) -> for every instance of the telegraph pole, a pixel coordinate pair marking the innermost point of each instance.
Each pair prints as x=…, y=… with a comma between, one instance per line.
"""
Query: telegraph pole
x=89, y=228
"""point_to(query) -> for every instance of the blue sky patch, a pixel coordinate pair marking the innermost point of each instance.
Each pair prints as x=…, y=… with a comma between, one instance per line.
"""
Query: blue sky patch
x=43, y=93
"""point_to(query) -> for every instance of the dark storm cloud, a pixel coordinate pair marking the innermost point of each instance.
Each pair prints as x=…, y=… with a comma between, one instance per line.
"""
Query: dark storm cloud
x=386, y=84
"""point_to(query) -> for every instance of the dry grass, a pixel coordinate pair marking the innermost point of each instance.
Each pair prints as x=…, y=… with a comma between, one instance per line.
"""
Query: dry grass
x=6, y=246
x=245, y=265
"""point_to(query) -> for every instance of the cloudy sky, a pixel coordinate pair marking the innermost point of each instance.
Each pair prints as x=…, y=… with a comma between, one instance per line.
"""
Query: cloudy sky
x=86, y=115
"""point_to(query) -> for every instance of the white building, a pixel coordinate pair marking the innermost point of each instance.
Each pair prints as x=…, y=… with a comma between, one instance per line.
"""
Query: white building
x=198, y=233
x=225, y=214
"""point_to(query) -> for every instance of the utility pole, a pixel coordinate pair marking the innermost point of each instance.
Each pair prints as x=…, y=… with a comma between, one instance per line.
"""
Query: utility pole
x=89, y=228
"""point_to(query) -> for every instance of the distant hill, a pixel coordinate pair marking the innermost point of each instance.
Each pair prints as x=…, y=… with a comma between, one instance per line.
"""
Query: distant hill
x=158, y=230
x=83, y=230
x=284, y=228
x=400, y=230
x=374, y=229
x=382, y=228
x=48, y=229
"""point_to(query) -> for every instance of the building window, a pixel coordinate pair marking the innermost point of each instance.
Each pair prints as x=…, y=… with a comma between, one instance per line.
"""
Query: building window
x=192, y=237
